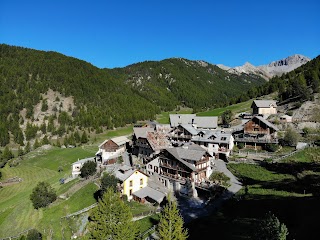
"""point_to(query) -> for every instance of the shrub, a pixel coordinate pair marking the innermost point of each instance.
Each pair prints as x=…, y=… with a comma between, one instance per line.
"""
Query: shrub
x=291, y=137
x=220, y=178
x=272, y=147
x=88, y=169
x=33, y=234
x=240, y=145
x=42, y=195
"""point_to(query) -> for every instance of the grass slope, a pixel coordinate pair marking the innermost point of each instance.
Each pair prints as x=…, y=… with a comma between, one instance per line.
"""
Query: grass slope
x=289, y=189
x=42, y=165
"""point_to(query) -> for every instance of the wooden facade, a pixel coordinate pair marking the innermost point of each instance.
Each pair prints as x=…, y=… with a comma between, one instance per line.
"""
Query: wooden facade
x=254, y=126
x=110, y=146
x=175, y=169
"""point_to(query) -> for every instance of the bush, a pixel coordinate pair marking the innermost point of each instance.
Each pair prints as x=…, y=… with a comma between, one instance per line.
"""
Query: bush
x=240, y=145
x=272, y=147
x=33, y=234
x=291, y=137
x=88, y=169
x=42, y=195
x=220, y=178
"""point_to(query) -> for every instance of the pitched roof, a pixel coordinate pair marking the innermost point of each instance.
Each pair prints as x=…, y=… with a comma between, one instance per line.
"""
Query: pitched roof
x=266, y=122
x=190, y=152
x=206, y=122
x=117, y=140
x=264, y=103
x=219, y=137
x=141, y=132
x=125, y=172
x=190, y=129
x=189, y=119
x=181, y=119
x=84, y=160
x=158, y=140
x=151, y=193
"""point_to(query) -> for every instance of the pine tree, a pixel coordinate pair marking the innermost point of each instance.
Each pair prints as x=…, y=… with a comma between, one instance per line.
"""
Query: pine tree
x=171, y=223
x=270, y=228
x=7, y=154
x=36, y=144
x=20, y=151
x=27, y=148
x=112, y=219
x=84, y=137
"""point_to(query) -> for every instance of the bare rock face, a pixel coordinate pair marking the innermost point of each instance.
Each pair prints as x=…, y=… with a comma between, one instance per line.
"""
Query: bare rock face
x=284, y=65
x=276, y=68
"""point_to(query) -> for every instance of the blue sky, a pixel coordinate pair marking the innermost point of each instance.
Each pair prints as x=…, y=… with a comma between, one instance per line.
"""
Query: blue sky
x=113, y=33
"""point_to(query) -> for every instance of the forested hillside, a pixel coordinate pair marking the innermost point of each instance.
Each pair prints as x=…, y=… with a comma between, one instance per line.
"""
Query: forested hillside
x=177, y=81
x=100, y=100
x=86, y=98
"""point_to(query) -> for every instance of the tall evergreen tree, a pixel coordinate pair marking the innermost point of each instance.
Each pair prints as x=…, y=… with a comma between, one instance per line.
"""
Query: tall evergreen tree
x=171, y=223
x=270, y=228
x=112, y=219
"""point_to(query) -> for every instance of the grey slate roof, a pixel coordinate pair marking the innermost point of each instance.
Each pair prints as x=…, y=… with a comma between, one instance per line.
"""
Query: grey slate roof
x=191, y=152
x=264, y=103
x=219, y=137
x=141, y=132
x=128, y=171
x=206, y=122
x=151, y=193
x=190, y=129
x=84, y=160
x=269, y=124
x=181, y=119
x=189, y=119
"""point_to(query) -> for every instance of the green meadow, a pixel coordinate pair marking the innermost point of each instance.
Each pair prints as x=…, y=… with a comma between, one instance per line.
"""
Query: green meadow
x=16, y=211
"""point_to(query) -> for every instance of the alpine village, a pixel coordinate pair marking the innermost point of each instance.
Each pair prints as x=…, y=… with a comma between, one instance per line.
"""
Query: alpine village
x=171, y=149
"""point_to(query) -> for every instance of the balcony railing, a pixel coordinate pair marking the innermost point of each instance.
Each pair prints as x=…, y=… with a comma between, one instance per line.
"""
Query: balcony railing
x=174, y=177
x=178, y=168
x=255, y=139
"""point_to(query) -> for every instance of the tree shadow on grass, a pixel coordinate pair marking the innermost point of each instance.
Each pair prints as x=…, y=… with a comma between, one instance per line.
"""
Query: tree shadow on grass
x=237, y=218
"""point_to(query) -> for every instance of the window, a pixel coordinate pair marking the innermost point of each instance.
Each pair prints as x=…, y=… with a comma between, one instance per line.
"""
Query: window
x=141, y=181
x=223, y=138
x=150, y=166
x=130, y=183
x=156, y=169
x=130, y=192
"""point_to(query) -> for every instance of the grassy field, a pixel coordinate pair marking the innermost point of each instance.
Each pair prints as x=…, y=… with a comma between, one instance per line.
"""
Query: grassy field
x=235, y=108
x=163, y=118
x=41, y=165
x=289, y=189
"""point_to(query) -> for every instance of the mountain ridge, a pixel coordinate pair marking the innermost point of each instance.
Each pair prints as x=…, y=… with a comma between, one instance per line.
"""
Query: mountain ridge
x=274, y=68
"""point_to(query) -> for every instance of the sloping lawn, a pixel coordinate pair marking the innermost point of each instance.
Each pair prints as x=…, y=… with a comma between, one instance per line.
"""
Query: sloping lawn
x=41, y=165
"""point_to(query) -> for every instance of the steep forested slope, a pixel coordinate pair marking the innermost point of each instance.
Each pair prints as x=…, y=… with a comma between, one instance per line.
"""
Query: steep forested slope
x=103, y=98
x=196, y=84
x=100, y=99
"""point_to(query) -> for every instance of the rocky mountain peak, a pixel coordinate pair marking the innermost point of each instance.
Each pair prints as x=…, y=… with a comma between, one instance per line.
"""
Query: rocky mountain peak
x=272, y=69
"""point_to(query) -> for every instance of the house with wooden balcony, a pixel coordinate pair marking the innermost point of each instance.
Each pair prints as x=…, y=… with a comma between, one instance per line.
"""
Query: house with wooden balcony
x=148, y=142
x=257, y=132
x=218, y=143
x=182, y=133
x=176, y=166
x=111, y=149
x=197, y=122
